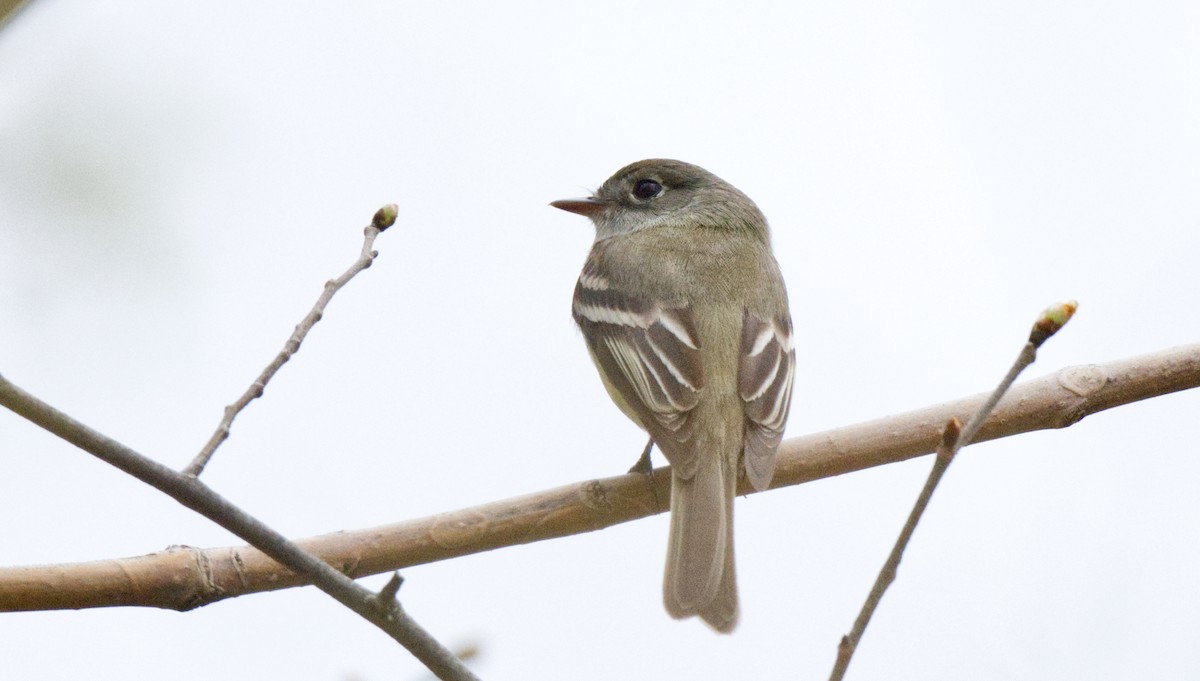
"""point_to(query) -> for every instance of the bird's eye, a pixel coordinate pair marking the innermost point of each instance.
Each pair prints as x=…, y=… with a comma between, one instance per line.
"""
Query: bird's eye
x=646, y=189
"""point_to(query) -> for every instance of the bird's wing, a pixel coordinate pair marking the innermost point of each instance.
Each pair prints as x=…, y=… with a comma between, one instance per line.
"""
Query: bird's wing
x=767, y=364
x=648, y=354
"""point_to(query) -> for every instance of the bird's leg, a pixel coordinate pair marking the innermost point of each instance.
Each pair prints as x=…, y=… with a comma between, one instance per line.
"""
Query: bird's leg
x=643, y=464
x=646, y=470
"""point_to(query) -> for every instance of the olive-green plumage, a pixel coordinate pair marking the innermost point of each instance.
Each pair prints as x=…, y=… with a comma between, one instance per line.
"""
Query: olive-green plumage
x=686, y=317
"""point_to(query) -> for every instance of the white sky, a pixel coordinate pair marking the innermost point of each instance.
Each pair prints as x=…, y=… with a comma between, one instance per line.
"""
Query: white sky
x=178, y=180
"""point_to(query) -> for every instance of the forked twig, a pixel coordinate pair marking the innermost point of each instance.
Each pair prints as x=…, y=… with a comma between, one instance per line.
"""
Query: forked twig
x=955, y=436
x=381, y=609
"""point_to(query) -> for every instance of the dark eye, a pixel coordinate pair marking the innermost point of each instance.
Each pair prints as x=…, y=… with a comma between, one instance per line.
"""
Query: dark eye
x=647, y=189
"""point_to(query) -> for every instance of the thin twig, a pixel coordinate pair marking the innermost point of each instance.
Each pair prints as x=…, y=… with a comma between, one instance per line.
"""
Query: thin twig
x=385, y=217
x=382, y=611
x=184, y=577
x=954, y=437
x=887, y=574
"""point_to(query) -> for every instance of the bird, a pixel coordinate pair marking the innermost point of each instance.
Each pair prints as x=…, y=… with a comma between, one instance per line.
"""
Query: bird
x=685, y=315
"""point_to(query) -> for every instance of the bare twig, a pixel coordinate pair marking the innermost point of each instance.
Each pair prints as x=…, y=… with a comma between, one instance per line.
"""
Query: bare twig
x=887, y=574
x=182, y=578
x=954, y=437
x=385, y=217
x=188, y=490
x=382, y=609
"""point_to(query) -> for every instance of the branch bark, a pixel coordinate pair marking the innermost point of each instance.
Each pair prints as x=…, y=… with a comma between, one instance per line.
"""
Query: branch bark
x=181, y=578
x=194, y=494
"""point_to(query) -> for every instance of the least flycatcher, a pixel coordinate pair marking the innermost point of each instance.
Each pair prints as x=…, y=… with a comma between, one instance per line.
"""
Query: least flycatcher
x=686, y=317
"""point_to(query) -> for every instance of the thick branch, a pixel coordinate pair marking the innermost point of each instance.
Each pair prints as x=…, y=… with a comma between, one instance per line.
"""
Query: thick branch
x=181, y=578
x=385, y=613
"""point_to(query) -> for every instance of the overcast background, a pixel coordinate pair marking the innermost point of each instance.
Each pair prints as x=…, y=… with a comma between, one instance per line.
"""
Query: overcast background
x=177, y=181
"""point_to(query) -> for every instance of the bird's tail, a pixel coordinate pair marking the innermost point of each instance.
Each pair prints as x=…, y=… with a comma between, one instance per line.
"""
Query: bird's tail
x=700, y=577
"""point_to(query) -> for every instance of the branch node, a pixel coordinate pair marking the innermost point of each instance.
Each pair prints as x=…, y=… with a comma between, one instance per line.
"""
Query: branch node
x=387, y=595
x=950, y=436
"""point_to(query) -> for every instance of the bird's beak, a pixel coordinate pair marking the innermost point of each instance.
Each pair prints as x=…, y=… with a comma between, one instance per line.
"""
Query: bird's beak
x=587, y=206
